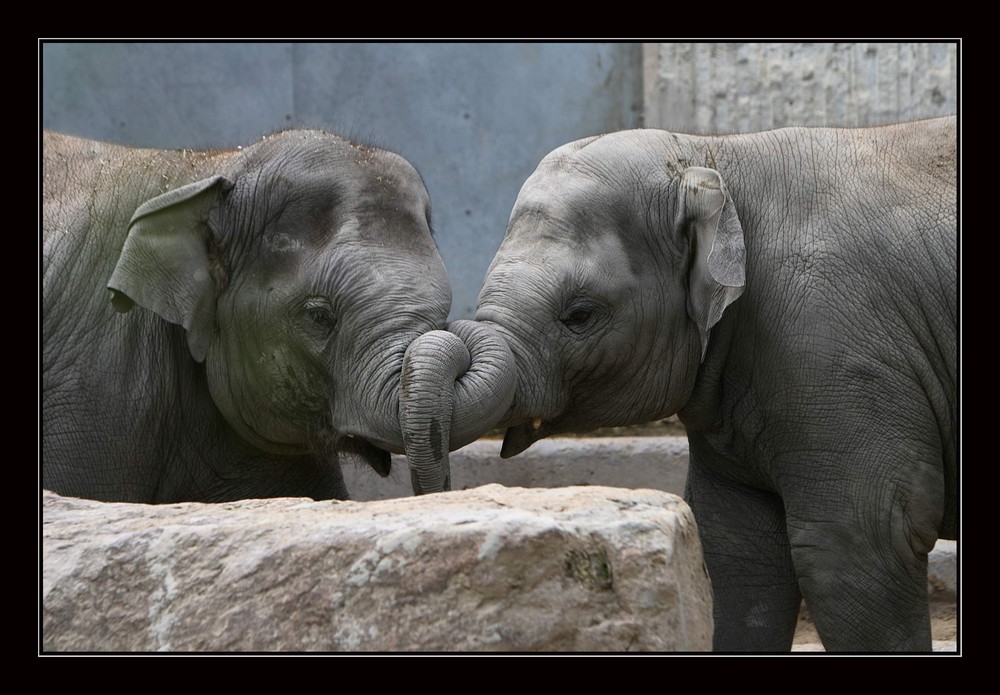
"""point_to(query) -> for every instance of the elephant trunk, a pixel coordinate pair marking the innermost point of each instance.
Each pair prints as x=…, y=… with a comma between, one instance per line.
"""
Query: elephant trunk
x=456, y=384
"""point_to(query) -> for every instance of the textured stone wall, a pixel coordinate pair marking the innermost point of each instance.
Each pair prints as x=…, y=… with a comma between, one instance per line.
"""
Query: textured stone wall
x=743, y=87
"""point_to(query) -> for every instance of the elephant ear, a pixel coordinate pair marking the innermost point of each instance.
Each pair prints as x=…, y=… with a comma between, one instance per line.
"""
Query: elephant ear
x=718, y=264
x=165, y=265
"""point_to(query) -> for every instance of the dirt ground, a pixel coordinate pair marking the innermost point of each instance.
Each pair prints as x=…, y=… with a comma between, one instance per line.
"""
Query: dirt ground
x=943, y=613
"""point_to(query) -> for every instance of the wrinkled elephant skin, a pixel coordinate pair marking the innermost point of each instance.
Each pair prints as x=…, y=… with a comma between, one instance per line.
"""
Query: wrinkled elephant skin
x=793, y=296
x=261, y=302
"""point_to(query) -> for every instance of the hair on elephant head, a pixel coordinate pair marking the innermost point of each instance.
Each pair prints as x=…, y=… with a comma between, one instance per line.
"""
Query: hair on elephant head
x=792, y=295
x=265, y=298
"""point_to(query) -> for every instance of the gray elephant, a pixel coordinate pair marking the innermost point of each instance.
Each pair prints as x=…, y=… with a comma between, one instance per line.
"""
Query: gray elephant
x=792, y=296
x=261, y=304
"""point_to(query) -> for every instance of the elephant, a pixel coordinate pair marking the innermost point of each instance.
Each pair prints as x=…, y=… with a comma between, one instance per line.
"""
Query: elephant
x=791, y=295
x=228, y=324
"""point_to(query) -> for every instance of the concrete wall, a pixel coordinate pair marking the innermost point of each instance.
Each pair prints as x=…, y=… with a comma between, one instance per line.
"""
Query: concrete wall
x=474, y=119
x=743, y=87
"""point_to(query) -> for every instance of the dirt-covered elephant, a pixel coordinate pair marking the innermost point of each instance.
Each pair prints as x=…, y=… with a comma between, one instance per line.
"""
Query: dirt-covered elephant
x=792, y=295
x=261, y=303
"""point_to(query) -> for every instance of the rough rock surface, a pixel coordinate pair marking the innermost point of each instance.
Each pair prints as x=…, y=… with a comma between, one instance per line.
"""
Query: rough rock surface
x=492, y=568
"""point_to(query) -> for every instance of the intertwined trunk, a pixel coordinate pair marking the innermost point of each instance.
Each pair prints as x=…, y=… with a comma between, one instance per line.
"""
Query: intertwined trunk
x=456, y=385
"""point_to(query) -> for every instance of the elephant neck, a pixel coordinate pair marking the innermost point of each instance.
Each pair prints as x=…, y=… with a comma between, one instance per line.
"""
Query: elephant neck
x=702, y=412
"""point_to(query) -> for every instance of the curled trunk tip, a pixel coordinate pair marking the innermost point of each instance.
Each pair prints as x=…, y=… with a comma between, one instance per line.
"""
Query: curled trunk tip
x=456, y=385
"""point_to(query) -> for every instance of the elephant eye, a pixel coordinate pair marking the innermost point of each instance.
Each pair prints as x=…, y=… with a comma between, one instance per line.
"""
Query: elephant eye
x=319, y=313
x=577, y=317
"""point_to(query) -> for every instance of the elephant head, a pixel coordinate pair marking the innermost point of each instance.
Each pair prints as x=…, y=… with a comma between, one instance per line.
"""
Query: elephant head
x=301, y=273
x=615, y=266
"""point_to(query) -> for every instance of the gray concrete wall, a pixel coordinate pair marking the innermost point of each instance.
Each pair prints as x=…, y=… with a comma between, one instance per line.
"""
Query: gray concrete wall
x=743, y=87
x=475, y=119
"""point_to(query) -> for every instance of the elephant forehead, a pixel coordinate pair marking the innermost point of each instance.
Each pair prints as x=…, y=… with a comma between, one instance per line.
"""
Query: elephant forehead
x=305, y=153
x=383, y=269
x=380, y=229
x=574, y=204
x=392, y=189
x=363, y=248
x=561, y=189
x=580, y=223
x=555, y=242
x=343, y=179
x=330, y=243
x=609, y=155
x=562, y=263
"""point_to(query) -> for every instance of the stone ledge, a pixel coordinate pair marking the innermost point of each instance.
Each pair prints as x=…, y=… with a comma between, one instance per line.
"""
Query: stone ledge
x=487, y=569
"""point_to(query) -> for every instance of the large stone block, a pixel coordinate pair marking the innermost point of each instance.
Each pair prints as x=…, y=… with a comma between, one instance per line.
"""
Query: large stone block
x=491, y=569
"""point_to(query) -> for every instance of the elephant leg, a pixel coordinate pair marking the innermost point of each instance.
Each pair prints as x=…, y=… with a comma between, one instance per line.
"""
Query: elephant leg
x=743, y=535
x=861, y=557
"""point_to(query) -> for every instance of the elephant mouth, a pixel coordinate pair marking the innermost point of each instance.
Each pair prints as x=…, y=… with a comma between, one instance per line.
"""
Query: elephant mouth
x=520, y=437
x=355, y=447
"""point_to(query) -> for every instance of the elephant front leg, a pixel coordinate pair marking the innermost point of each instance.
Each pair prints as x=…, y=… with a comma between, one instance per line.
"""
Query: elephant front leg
x=743, y=534
x=862, y=556
x=857, y=600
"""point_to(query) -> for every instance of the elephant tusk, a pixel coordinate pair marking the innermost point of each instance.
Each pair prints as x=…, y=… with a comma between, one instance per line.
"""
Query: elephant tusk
x=536, y=423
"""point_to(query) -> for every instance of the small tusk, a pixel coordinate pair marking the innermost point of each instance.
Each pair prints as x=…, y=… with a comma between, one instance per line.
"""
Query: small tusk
x=350, y=436
x=536, y=423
